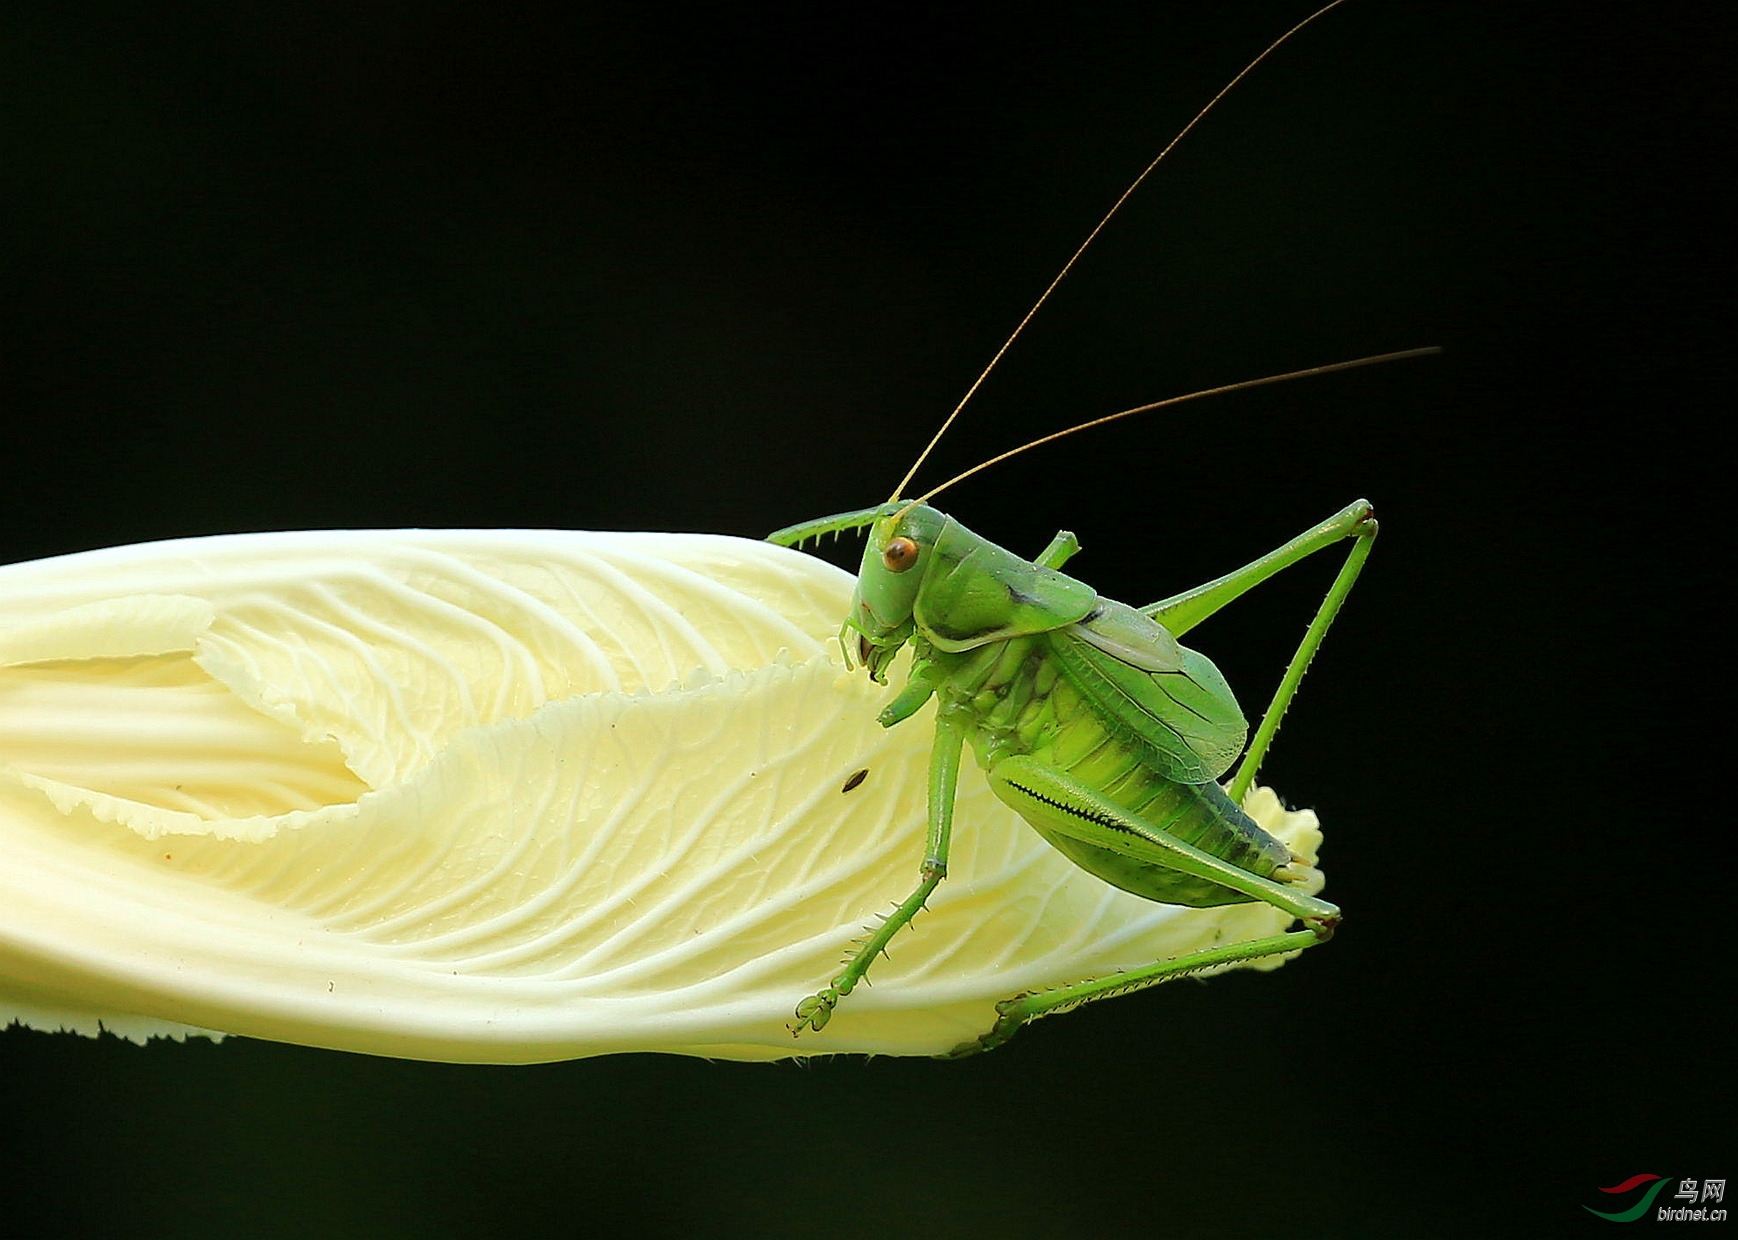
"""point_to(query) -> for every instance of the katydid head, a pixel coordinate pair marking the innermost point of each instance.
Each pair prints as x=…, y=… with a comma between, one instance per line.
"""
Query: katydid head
x=894, y=559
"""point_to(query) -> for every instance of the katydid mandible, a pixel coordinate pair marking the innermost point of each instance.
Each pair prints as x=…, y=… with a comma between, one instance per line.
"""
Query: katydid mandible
x=1088, y=717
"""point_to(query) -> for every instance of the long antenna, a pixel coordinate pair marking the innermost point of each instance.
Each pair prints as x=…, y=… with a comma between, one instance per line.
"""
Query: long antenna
x=1329, y=369
x=1098, y=228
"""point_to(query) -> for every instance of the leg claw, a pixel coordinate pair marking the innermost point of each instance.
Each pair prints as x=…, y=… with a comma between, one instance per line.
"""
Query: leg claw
x=814, y=1012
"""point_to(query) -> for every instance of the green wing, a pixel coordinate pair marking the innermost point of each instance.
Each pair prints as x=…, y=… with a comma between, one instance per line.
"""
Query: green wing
x=1184, y=720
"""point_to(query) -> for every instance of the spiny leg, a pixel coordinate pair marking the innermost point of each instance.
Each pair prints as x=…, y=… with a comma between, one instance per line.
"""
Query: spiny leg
x=1015, y=1012
x=1059, y=805
x=805, y=531
x=1365, y=534
x=1182, y=612
x=1064, y=809
x=944, y=764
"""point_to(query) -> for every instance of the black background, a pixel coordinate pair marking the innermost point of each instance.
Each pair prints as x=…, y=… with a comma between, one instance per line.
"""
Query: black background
x=392, y=264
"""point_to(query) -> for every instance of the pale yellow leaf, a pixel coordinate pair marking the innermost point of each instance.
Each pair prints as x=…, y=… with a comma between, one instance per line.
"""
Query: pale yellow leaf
x=500, y=796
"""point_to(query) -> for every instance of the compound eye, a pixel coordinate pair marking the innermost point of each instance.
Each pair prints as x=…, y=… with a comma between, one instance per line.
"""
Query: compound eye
x=899, y=554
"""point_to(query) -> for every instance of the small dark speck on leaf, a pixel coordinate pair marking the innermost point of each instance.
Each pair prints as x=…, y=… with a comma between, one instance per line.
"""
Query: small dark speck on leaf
x=855, y=780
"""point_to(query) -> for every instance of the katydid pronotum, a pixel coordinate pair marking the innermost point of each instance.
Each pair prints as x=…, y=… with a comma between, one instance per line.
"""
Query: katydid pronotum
x=1087, y=716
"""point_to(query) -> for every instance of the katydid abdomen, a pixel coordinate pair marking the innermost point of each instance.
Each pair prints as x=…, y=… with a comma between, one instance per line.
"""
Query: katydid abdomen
x=1018, y=702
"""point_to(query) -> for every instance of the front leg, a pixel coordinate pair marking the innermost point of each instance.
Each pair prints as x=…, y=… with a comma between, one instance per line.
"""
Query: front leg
x=944, y=766
x=919, y=688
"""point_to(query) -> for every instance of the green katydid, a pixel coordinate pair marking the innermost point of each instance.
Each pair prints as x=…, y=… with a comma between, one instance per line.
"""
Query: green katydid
x=1088, y=717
